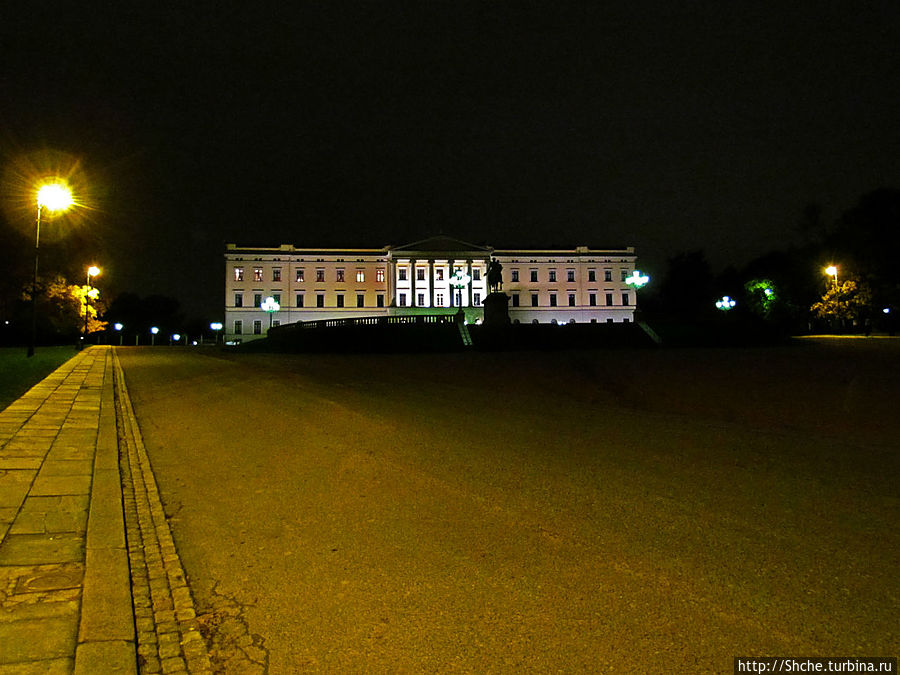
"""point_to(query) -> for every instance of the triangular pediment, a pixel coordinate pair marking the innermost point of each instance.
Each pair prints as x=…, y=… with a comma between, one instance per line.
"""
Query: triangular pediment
x=441, y=244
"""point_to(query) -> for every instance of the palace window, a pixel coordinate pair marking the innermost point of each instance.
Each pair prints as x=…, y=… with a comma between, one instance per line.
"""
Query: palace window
x=320, y=276
x=552, y=276
x=299, y=275
x=571, y=299
x=570, y=275
x=515, y=300
x=379, y=275
x=609, y=299
x=277, y=297
x=592, y=275
x=238, y=299
x=257, y=274
x=476, y=276
x=420, y=299
x=360, y=277
x=439, y=299
x=257, y=327
x=553, y=299
x=625, y=299
x=624, y=275
x=238, y=273
x=476, y=299
x=360, y=300
x=379, y=300
x=320, y=299
x=340, y=300
x=533, y=276
x=592, y=299
x=340, y=276
x=607, y=275
x=401, y=274
x=439, y=273
x=420, y=274
x=276, y=274
x=403, y=299
x=515, y=275
x=257, y=299
x=238, y=327
x=534, y=299
x=299, y=299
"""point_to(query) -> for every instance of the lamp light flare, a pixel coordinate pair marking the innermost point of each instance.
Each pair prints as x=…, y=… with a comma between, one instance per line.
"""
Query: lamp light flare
x=54, y=196
x=93, y=271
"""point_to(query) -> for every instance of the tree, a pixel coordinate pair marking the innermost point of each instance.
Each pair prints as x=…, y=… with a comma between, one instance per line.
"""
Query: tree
x=847, y=302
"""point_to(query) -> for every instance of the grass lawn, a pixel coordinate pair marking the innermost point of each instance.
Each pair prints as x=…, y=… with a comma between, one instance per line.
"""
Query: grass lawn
x=18, y=373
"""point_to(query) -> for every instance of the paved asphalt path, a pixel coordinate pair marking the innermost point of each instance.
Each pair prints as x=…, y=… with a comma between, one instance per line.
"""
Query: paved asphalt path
x=618, y=511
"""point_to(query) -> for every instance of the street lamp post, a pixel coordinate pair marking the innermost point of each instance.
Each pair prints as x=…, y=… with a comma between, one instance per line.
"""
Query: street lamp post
x=153, y=332
x=55, y=197
x=832, y=271
x=216, y=326
x=92, y=271
x=119, y=328
x=270, y=305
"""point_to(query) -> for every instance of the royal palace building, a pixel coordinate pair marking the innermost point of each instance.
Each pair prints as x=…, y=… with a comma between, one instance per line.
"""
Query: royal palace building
x=267, y=286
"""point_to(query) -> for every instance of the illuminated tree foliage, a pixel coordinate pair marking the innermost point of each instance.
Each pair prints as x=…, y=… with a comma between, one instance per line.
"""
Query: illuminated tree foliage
x=761, y=296
x=848, y=301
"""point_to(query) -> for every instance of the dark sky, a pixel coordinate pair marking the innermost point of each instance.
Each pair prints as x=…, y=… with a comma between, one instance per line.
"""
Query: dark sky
x=667, y=126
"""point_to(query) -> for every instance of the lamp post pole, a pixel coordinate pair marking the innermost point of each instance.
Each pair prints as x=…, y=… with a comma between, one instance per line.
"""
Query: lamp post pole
x=92, y=271
x=55, y=197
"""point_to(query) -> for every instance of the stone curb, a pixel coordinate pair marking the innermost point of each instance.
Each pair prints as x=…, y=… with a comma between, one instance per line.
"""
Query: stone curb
x=168, y=635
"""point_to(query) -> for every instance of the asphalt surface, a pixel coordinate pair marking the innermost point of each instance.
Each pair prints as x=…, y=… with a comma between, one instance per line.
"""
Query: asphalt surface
x=617, y=511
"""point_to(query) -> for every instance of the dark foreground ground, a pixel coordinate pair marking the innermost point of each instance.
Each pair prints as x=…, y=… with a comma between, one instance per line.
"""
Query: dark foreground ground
x=622, y=511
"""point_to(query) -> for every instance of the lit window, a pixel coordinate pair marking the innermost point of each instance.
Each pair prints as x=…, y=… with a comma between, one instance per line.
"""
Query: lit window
x=320, y=299
x=360, y=300
x=340, y=276
x=320, y=276
x=553, y=299
x=257, y=299
x=420, y=274
x=276, y=274
x=360, y=277
x=533, y=275
x=592, y=275
x=439, y=273
x=401, y=274
x=570, y=275
x=299, y=299
x=238, y=299
x=439, y=299
x=552, y=276
x=571, y=299
x=257, y=274
x=515, y=275
x=238, y=327
x=299, y=275
x=238, y=273
x=609, y=299
x=403, y=299
x=607, y=275
x=257, y=327
x=379, y=276
x=476, y=299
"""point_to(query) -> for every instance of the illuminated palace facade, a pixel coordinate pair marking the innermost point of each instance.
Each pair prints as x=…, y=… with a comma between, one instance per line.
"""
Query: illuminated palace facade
x=435, y=276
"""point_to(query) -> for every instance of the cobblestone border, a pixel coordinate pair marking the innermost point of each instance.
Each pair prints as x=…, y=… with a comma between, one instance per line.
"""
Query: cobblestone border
x=168, y=636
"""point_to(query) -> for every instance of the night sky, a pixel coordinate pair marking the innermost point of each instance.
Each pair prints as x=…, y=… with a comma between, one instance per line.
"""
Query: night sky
x=668, y=126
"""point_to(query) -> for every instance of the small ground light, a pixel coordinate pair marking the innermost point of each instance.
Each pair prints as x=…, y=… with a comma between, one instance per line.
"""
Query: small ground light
x=886, y=310
x=176, y=337
x=725, y=303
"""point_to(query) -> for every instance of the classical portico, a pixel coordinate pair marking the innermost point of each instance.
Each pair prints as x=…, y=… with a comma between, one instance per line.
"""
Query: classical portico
x=421, y=273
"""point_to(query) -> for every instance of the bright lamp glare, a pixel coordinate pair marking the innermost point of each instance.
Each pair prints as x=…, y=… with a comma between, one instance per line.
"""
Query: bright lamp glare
x=93, y=271
x=55, y=197
x=831, y=271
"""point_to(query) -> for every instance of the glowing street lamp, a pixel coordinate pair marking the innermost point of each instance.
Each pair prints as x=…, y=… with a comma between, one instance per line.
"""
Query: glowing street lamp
x=119, y=328
x=271, y=306
x=54, y=197
x=153, y=332
x=725, y=304
x=637, y=280
x=92, y=271
x=832, y=271
x=459, y=281
x=216, y=326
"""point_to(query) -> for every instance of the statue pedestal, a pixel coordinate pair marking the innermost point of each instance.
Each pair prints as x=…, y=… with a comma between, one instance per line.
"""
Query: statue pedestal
x=496, y=309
